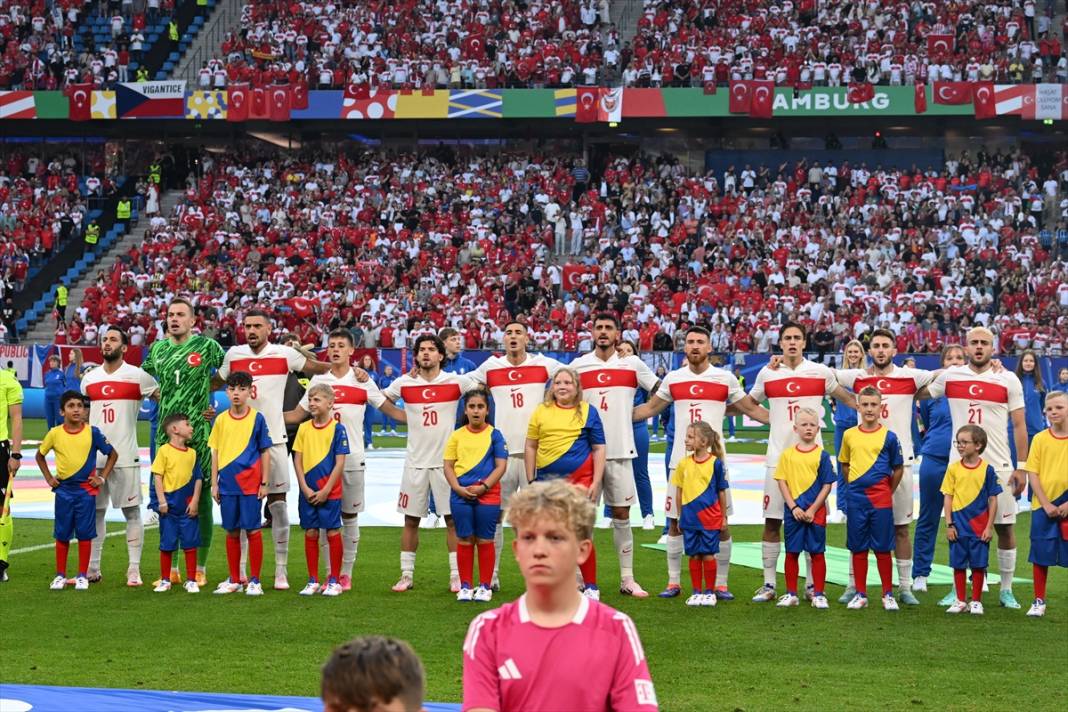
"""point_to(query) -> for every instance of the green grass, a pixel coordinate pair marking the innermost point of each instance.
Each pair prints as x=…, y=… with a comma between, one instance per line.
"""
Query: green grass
x=740, y=655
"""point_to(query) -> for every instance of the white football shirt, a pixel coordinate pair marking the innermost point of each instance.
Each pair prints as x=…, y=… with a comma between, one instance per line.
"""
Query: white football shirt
x=985, y=399
x=697, y=397
x=350, y=406
x=431, y=407
x=115, y=400
x=609, y=386
x=269, y=370
x=898, y=389
x=516, y=393
x=787, y=390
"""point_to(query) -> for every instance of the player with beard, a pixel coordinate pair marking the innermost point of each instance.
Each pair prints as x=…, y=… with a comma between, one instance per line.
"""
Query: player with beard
x=698, y=391
x=116, y=389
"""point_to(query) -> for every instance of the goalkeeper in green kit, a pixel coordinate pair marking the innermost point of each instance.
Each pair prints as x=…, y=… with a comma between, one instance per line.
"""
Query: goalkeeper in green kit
x=184, y=364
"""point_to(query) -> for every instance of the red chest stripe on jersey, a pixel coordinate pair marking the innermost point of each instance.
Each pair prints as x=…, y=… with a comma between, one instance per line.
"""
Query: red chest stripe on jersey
x=441, y=393
x=887, y=386
x=609, y=378
x=517, y=376
x=699, y=390
x=114, y=390
x=795, y=387
x=349, y=395
x=977, y=390
x=261, y=366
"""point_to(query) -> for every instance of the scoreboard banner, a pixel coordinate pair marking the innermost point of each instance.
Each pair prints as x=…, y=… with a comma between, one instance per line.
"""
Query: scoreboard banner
x=156, y=100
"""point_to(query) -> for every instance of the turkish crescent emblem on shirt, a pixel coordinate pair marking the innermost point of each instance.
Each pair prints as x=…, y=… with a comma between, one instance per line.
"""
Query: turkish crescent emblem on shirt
x=513, y=375
x=193, y=359
x=255, y=367
x=428, y=393
x=974, y=390
x=882, y=385
x=695, y=390
x=106, y=390
x=602, y=377
x=792, y=387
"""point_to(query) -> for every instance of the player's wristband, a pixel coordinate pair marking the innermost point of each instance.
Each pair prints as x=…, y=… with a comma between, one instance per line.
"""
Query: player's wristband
x=951, y=525
x=15, y=456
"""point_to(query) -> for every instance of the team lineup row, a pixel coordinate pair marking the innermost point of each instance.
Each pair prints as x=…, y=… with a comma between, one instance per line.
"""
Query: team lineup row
x=470, y=473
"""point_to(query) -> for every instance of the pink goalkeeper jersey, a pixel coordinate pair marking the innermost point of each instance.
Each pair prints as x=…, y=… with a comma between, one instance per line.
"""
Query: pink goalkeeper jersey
x=593, y=664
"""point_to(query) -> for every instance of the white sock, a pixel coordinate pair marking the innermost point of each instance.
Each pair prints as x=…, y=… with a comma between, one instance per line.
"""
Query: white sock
x=808, y=569
x=904, y=574
x=98, y=542
x=324, y=548
x=674, y=559
x=350, y=541
x=1006, y=567
x=454, y=568
x=243, y=566
x=623, y=536
x=852, y=581
x=408, y=563
x=135, y=536
x=770, y=555
x=280, y=533
x=498, y=545
x=723, y=563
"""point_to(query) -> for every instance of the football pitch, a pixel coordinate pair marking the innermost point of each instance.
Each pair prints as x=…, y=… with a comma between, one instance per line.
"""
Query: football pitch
x=737, y=656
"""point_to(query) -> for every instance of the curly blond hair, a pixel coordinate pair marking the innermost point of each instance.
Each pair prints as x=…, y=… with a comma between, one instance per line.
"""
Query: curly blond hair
x=558, y=500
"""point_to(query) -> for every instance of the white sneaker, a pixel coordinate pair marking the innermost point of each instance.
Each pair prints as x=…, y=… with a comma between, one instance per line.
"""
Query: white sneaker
x=919, y=584
x=163, y=586
x=788, y=600
x=150, y=518
x=428, y=521
x=764, y=594
x=226, y=586
x=837, y=517
x=708, y=599
x=254, y=588
x=975, y=608
x=281, y=582
x=404, y=584
x=648, y=523
x=133, y=578
x=890, y=603
x=465, y=595
x=58, y=583
x=190, y=587
x=957, y=607
x=604, y=523
x=81, y=583
x=662, y=539
x=859, y=601
x=695, y=599
x=310, y=589
x=1037, y=609
x=483, y=594
x=333, y=588
x=820, y=602
x=592, y=592
x=630, y=587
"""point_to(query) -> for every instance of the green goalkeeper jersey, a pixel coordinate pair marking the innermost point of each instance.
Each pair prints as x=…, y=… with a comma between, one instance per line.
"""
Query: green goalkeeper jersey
x=184, y=373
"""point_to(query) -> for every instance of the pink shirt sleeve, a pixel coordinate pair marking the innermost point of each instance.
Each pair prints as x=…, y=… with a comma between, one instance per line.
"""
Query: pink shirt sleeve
x=632, y=687
x=481, y=689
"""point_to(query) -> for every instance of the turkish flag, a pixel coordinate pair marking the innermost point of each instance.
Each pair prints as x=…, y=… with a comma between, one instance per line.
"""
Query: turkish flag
x=572, y=277
x=710, y=87
x=941, y=44
x=259, y=104
x=586, y=101
x=741, y=97
x=475, y=47
x=983, y=100
x=238, y=100
x=281, y=104
x=952, y=92
x=80, y=97
x=299, y=95
x=302, y=306
x=919, y=98
x=763, y=94
x=859, y=92
x=358, y=92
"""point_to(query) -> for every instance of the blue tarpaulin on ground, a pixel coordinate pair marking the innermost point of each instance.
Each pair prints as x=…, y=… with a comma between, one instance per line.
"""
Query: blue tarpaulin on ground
x=40, y=698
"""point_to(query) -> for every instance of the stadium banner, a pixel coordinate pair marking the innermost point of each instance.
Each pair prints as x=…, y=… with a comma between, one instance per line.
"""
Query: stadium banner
x=16, y=357
x=1034, y=102
x=96, y=699
x=138, y=100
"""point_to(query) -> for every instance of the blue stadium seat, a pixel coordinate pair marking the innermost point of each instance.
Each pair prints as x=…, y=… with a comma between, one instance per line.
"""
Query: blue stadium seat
x=173, y=57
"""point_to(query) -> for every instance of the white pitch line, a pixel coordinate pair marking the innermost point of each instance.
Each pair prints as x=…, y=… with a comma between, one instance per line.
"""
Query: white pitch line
x=42, y=547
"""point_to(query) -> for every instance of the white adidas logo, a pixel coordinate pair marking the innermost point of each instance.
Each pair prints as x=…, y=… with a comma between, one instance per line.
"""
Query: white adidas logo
x=509, y=671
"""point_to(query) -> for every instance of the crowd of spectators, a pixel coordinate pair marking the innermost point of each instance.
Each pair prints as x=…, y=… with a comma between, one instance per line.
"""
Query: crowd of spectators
x=39, y=51
x=807, y=43
x=397, y=244
x=421, y=43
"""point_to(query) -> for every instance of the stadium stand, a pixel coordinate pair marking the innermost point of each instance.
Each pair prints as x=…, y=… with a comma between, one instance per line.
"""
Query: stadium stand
x=473, y=237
